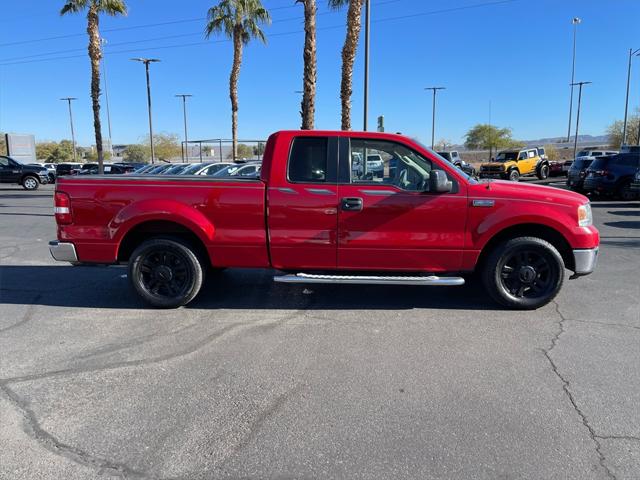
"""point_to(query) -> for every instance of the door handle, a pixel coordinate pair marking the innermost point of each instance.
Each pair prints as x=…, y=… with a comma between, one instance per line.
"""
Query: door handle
x=351, y=204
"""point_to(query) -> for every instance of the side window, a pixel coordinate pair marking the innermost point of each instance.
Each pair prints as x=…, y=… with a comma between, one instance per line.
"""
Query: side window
x=531, y=153
x=597, y=154
x=522, y=156
x=388, y=163
x=308, y=160
x=4, y=162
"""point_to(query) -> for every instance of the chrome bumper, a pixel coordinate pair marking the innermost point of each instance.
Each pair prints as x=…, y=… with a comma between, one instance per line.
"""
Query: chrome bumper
x=585, y=261
x=63, y=252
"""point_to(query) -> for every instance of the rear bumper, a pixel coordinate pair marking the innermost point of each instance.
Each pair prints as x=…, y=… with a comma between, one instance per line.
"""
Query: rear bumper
x=585, y=261
x=63, y=252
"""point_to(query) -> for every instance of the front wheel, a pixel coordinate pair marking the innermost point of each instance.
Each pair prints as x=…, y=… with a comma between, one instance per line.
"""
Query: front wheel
x=30, y=183
x=524, y=273
x=543, y=172
x=514, y=175
x=165, y=272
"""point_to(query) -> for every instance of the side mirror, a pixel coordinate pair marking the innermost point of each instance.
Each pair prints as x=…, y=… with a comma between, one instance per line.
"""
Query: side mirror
x=439, y=183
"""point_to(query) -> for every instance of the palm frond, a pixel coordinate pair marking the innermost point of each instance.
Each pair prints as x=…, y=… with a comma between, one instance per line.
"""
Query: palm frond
x=111, y=7
x=337, y=4
x=73, y=6
x=243, y=14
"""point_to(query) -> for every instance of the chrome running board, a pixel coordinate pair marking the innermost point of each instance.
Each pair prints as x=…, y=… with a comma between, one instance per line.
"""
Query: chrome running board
x=431, y=280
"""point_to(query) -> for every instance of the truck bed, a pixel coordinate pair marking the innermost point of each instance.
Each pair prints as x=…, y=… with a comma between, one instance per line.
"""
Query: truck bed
x=227, y=215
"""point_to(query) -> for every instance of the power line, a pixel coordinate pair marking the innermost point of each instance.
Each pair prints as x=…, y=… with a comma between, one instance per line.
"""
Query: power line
x=164, y=47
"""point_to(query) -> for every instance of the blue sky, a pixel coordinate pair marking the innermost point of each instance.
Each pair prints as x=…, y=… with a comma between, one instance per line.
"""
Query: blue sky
x=514, y=54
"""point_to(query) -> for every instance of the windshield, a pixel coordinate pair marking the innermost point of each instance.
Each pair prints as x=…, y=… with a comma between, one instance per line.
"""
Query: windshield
x=192, y=169
x=507, y=156
x=583, y=153
x=599, y=163
x=227, y=171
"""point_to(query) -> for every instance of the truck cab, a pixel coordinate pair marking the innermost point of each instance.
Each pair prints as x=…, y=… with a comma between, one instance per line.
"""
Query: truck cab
x=515, y=163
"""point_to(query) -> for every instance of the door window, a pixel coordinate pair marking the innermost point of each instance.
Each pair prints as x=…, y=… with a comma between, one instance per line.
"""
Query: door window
x=522, y=156
x=388, y=163
x=308, y=160
x=4, y=162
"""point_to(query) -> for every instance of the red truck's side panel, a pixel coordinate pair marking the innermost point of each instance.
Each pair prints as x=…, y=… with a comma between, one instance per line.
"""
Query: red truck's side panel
x=227, y=216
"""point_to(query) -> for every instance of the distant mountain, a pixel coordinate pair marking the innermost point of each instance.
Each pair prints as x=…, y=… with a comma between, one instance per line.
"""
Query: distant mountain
x=582, y=139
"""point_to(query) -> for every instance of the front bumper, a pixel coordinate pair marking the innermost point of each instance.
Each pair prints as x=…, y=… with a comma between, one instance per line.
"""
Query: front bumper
x=63, y=251
x=585, y=261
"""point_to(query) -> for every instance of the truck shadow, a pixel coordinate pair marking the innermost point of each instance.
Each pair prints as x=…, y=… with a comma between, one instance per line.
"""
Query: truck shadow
x=242, y=289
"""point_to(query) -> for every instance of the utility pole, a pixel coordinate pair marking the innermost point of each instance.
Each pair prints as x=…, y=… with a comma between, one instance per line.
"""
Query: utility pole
x=433, y=119
x=146, y=62
x=106, y=97
x=575, y=142
x=73, y=134
x=367, y=25
x=575, y=21
x=626, y=102
x=184, y=96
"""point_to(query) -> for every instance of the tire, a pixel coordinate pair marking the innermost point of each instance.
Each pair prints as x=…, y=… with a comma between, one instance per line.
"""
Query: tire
x=29, y=182
x=625, y=193
x=165, y=272
x=523, y=273
x=543, y=172
x=514, y=175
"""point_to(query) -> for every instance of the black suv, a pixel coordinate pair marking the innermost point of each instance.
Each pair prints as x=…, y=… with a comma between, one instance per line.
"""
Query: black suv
x=29, y=176
x=613, y=175
x=577, y=173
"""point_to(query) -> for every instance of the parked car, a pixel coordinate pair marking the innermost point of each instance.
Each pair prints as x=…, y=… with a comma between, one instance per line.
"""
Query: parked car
x=67, y=168
x=29, y=176
x=133, y=165
x=51, y=170
x=454, y=158
x=513, y=164
x=109, y=169
x=158, y=169
x=206, y=168
x=146, y=168
x=588, y=154
x=577, y=174
x=239, y=170
x=375, y=165
x=428, y=222
x=175, y=169
x=613, y=175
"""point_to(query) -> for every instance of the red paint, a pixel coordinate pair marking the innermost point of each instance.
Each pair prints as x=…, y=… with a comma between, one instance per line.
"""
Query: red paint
x=300, y=226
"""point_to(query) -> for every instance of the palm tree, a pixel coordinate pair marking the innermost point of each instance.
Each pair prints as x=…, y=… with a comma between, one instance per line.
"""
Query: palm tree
x=308, y=110
x=94, y=9
x=354, y=22
x=239, y=20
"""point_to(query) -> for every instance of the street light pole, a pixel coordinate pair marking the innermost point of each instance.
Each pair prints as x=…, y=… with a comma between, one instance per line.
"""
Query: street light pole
x=367, y=25
x=184, y=97
x=576, y=21
x=73, y=134
x=106, y=97
x=626, y=102
x=575, y=142
x=433, y=119
x=146, y=62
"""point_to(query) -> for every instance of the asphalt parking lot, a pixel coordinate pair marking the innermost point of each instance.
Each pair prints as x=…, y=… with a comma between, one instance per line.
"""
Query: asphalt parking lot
x=260, y=380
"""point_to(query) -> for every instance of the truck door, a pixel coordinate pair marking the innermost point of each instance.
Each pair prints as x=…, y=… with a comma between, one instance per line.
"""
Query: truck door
x=10, y=171
x=302, y=204
x=389, y=221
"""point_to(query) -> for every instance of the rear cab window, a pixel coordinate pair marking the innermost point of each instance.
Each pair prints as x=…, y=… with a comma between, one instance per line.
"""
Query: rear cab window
x=308, y=160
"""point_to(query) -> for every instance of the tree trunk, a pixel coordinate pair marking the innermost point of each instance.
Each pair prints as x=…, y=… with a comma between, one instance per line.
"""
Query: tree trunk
x=233, y=86
x=95, y=54
x=354, y=22
x=310, y=66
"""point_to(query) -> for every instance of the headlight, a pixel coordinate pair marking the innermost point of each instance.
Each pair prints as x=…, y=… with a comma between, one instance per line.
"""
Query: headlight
x=585, y=218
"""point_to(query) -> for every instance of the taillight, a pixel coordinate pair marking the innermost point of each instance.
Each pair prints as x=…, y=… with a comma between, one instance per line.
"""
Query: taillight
x=62, y=208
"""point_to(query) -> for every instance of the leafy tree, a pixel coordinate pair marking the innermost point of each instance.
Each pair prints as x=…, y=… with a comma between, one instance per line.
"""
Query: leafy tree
x=243, y=152
x=94, y=9
x=354, y=23
x=443, y=144
x=166, y=145
x=3, y=144
x=309, y=79
x=55, y=152
x=633, y=130
x=136, y=153
x=238, y=20
x=552, y=152
x=489, y=137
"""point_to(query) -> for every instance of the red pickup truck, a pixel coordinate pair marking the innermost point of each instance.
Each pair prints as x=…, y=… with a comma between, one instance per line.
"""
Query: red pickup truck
x=317, y=217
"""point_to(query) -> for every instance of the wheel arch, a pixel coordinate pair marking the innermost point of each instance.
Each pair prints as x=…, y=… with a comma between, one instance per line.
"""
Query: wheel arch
x=545, y=232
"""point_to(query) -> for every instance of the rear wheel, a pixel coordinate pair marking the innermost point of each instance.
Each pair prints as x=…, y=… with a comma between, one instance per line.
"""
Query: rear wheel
x=514, y=175
x=30, y=183
x=543, y=172
x=524, y=273
x=165, y=272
